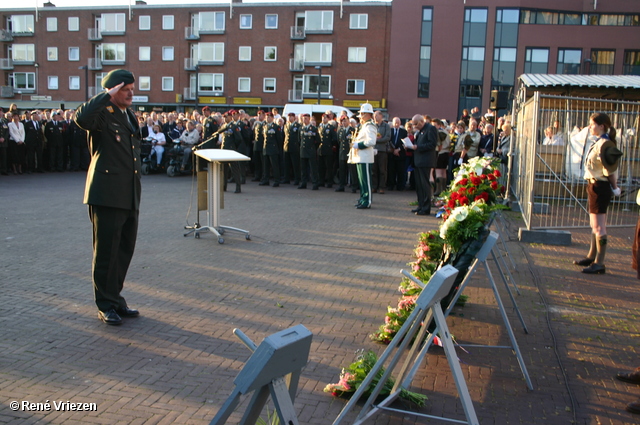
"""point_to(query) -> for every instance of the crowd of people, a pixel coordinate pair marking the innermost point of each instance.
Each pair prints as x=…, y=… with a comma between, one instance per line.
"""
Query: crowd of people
x=284, y=150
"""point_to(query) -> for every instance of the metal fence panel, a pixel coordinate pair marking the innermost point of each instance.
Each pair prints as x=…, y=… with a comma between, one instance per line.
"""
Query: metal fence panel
x=547, y=180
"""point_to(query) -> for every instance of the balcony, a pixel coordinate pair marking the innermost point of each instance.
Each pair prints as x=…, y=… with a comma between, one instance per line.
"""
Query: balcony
x=94, y=34
x=298, y=33
x=95, y=64
x=6, y=35
x=296, y=65
x=190, y=64
x=191, y=33
x=6, y=91
x=189, y=93
x=6, y=63
x=24, y=61
x=295, y=96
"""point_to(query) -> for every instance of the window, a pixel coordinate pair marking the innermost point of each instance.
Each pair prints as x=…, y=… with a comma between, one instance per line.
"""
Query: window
x=269, y=85
x=112, y=23
x=602, y=62
x=23, y=52
x=631, y=62
x=211, y=82
x=208, y=52
x=355, y=86
x=244, y=53
x=569, y=61
x=21, y=24
x=244, y=84
x=24, y=80
x=74, y=83
x=425, y=52
x=167, y=53
x=211, y=22
x=144, y=22
x=318, y=21
x=536, y=61
x=113, y=52
x=270, y=53
x=144, y=53
x=310, y=84
x=52, y=82
x=357, y=54
x=474, y=42
x=246, y=22
x=359, y=21
x=52, y=24
x=73, y=22
x=144, y=83
x=52, y=53
x=167, y=83
x=167, y=22
x=473, y=53
x=74, y=54
x=317, y=52
x=271, y=21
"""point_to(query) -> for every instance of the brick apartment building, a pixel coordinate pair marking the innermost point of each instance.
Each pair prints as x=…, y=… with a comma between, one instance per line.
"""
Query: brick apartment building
x=447, y=55
x=221, y=55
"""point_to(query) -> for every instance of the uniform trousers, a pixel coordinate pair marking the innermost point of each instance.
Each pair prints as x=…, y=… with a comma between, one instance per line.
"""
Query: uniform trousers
x=326, y=167
x=309, y=164
x=364, y=180
x=423, y=188
x=114, y=239
x=292, y=162
x=270, y=165
x=380, y=170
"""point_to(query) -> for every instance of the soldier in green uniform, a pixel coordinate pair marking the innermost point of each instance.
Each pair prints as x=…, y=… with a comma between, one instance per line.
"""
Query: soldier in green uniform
x=270, y=160
x=258, y=142
x=112, y=190
x=242, y=127
x=328, y=142
x=210, y=124
x=292, y=149
x=345, y=134
x=309, y=141
x=231, y=140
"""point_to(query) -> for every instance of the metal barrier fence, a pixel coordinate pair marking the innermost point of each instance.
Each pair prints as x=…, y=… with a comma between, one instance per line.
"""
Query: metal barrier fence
x=547, y=180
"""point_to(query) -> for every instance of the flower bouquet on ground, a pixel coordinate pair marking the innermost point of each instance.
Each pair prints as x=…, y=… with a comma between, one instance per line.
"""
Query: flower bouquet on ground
x=353, y=376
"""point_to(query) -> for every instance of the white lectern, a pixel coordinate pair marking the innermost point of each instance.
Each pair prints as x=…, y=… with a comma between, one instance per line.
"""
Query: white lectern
x=216, y=158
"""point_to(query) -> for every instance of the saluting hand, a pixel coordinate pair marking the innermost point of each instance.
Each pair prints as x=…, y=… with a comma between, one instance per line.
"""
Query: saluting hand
x=112, y=91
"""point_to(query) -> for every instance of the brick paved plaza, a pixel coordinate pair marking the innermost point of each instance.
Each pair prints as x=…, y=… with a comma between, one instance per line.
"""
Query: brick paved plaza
x=313, y=260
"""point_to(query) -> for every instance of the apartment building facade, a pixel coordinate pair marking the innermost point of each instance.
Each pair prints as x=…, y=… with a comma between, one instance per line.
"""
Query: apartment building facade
x=447, y=56
x=186, y=56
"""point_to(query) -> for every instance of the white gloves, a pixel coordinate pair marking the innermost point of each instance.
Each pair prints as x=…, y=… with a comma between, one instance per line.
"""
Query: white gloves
x=616, y=191
x=355, y=146
x=460, y=161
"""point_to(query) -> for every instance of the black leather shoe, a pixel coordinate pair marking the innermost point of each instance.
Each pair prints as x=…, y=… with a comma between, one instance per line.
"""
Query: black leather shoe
x=263, y=184
x=415, y=210
x=594, y=268
x=314, y=188
x=631, y=377
x=353, y=190
x=340, y=189
x=422, y=213
x=584, y=262
x=276, y=185
x=302, y=186
x=363, y=207
x=110, y=317
x=127, y=312
x=238, y=190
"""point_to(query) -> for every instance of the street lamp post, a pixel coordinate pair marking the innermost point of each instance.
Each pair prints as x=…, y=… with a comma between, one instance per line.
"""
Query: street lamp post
x=197, y=84
x=319, y=68
x=86, y=80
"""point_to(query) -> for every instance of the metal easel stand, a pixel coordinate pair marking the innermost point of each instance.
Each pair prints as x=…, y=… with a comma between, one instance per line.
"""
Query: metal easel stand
x=280, y=355
x=482, y=258
x=427, y=306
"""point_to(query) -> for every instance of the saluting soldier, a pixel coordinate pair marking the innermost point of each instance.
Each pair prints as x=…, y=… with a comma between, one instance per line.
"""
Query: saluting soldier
x=328, y=142
x=345, y=134
x=210, y=124
x=258, y=142
x=292, y=149
x=242, y=127
x=272, y=141
x=231, y=139
x=309, y=141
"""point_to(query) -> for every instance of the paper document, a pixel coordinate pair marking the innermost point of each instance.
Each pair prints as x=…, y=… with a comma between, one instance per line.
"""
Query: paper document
x=407, y=143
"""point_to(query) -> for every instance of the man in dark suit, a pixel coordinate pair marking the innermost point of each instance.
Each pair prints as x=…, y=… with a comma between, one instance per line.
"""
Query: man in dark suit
x=34, y=141
x=112, y=190
x=424, y=160
x=397, y=167
x=54, y=132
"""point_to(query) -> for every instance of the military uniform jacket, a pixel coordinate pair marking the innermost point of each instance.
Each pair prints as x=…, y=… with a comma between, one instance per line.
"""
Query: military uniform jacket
x=345, y=134
x=210, y=127
x=231, y=137
x=53, y=131
x=272, y=138
x=113, y=179
x=365, y=138
x=258, y=136
x=328, y=139
x=292, y=136
x=309, y=141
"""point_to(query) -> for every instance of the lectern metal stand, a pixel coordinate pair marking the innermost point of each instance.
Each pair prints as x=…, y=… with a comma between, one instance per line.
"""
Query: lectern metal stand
x=216, y=158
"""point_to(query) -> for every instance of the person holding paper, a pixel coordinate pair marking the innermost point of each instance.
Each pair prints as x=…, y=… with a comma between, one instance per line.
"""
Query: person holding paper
x=424, y=159
x=397, y=167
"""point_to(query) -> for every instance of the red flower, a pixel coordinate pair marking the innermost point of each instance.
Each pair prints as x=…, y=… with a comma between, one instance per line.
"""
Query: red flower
x=483, y=177
x=494, y=185
x=485, y=196
x=451, y=204
x=463, y=182
x=476, y=181
x=491, y=177
x=497, y=173
x=464, y=201
x=462, y=191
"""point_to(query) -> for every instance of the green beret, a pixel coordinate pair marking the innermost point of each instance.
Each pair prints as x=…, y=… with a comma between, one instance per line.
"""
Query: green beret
x=610, y=155
x=116, y=77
